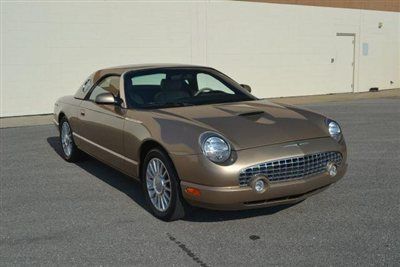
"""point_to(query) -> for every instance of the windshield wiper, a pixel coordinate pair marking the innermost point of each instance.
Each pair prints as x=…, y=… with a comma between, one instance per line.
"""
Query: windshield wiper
x=180, y=104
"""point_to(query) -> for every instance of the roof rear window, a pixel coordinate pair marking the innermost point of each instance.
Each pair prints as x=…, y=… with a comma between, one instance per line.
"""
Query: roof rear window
x=151, y=79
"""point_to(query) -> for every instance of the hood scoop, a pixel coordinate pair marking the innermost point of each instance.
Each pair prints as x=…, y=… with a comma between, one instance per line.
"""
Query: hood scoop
x=257, y=116
x=251, y=113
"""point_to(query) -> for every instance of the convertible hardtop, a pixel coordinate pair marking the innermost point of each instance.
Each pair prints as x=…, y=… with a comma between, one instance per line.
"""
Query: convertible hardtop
x=119, y=70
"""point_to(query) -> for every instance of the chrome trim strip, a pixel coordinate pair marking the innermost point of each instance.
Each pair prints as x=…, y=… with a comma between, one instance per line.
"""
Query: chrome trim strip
x=55, y=122
x=133, y=120
x=105, y=149
x=297, y=144
x=122, y=90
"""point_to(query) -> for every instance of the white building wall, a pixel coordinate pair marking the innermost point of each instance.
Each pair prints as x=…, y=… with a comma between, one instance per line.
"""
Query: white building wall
x=48, y=48
x=286, y=50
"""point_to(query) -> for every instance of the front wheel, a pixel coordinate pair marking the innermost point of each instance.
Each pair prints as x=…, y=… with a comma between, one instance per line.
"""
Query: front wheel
x=70, y=151
x=161, y=186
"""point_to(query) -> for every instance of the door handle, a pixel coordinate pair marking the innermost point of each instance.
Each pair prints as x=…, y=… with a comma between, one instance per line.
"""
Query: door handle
x=82, y=112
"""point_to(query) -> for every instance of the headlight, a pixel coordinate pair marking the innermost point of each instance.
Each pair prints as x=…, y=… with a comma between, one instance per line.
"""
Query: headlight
x=334, y=129
x=214, y=147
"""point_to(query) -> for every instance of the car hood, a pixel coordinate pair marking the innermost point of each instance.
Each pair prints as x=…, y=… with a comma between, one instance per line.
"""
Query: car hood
x=252, y=123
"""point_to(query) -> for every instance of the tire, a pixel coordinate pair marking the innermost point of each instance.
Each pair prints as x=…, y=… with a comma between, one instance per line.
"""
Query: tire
x=157, y=188
x=69, y=150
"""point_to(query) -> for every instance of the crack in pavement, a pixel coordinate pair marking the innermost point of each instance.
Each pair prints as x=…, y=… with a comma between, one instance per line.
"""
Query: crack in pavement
x=185, y=249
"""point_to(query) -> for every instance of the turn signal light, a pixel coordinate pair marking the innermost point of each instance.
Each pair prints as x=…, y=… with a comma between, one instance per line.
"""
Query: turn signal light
x=193, y=191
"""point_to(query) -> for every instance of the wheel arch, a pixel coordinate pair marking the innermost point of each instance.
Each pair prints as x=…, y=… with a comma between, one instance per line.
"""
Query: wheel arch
x=145, y=147
x=61, y=115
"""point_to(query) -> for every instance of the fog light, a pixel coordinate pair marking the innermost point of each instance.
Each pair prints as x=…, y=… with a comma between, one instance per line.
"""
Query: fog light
x=259, y=183
x=331, y=168
x=259, y=186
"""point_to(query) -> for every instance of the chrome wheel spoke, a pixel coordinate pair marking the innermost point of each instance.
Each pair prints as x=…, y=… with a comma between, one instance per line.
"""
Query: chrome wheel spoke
x=159, y=202
x=149, y=175
x=163, y=205
x=154, y=167
x=152, y=194
x=165, y=198
x=150, y=185
x=160, y=167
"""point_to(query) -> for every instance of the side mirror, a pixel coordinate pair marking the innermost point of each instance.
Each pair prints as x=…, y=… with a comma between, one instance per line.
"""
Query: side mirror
x=107, y=99
x=247, y=87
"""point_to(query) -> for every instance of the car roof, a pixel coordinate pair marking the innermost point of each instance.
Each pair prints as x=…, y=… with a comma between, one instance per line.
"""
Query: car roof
x=122, y=69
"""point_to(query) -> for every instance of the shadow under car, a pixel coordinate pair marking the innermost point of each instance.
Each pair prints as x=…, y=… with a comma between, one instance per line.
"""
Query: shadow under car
x=133, y=189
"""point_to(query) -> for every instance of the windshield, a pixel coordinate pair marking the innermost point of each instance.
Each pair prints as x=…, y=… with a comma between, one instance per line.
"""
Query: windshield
x=172, y=87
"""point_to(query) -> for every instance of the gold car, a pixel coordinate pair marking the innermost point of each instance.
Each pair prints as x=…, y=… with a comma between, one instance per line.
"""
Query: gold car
x=193, y=136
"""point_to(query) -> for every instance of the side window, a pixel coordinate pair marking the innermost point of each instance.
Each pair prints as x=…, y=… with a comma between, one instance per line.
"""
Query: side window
x=84, y=89
x=208, y=81
x=86, y=86
x=108, y=85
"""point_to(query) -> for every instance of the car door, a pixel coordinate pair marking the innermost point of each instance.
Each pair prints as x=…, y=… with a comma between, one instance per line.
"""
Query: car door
x=101, y=125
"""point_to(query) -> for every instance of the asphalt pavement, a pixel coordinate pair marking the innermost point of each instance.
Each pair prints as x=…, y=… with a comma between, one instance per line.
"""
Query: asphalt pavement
x=59, y=213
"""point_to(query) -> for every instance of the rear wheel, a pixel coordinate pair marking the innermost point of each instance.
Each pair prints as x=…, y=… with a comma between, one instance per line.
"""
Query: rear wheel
x=70, y=151
x=161, y=186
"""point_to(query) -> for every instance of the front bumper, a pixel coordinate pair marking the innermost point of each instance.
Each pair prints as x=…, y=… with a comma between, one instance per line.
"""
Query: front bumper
x=56, y=124
x=219, y=185
x=277, y=193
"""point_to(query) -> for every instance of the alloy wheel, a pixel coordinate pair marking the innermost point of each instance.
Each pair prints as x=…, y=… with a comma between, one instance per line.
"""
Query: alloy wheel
x=66, y=139
x=158, y=184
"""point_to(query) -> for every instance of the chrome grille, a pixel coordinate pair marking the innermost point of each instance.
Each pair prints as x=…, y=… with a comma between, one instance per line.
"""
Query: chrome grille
x=290, y=168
